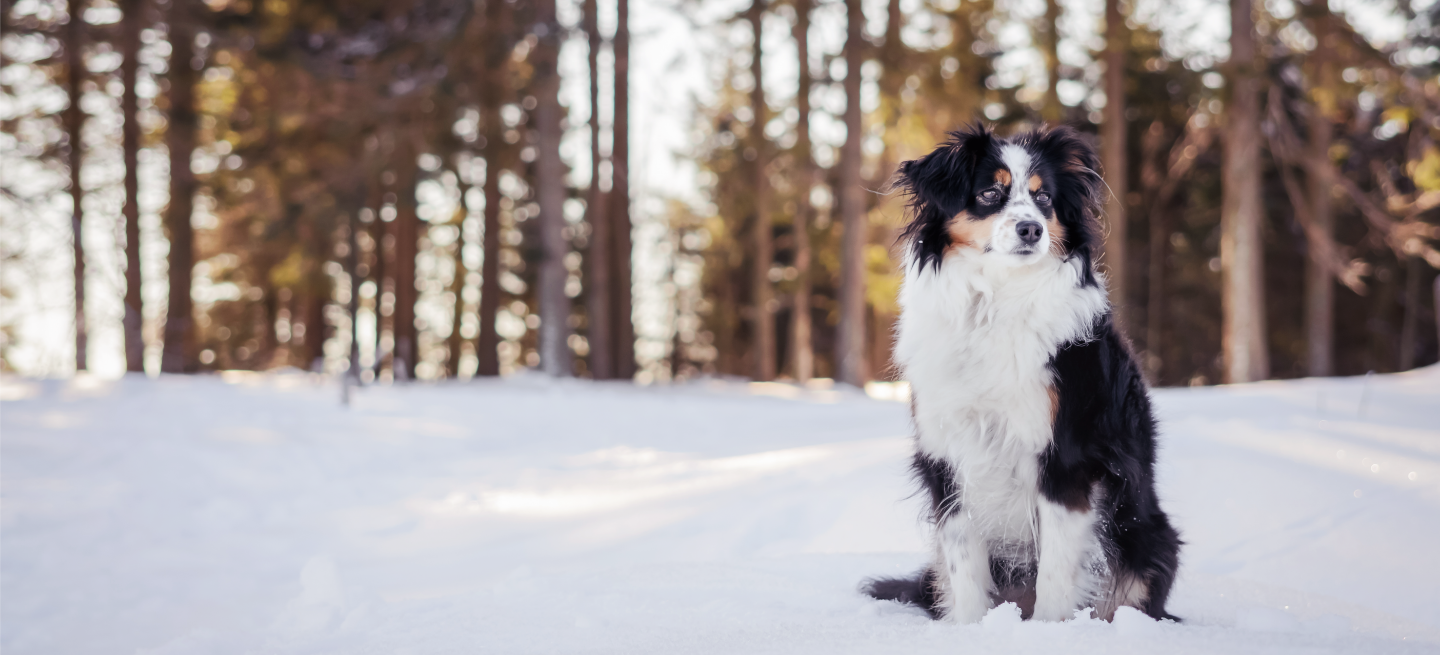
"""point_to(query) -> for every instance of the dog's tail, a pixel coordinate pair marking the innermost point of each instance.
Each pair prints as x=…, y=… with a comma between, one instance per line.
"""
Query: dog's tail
x=917, y=590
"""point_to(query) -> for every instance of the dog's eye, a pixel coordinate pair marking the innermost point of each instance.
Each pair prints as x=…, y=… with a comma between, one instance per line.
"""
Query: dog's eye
x=1042, y=198
x=989, y=195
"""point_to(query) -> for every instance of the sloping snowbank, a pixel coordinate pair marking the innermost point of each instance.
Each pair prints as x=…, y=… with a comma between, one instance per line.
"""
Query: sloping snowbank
x=254, y=514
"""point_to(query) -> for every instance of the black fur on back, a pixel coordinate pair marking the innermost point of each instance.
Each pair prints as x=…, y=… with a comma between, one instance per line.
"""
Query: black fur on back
x=1105, y=434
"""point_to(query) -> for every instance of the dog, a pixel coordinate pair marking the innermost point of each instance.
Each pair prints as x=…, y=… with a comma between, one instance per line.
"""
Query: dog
x=1034, y=435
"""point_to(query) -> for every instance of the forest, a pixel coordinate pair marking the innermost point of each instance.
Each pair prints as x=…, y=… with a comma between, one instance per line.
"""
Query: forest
x=424, y=189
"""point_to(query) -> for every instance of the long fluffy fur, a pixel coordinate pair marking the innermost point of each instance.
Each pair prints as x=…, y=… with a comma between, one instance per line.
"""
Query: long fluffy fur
x=1034, y=435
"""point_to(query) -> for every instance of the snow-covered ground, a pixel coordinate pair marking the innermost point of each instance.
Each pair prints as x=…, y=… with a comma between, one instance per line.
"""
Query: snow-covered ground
x=255, y=514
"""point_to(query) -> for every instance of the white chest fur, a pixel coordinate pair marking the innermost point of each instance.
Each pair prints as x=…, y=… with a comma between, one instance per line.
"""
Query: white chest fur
x=975, y=337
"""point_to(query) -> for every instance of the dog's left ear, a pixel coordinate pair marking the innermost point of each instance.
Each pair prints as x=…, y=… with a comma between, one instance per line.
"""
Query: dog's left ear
x=1079, y=189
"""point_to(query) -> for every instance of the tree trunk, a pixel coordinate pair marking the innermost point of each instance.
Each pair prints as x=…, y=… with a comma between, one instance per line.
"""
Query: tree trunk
x=1319, y=282
x=407, y=234
x=761, y=292
x=74, y=126
x=178, y=355
x=134, y=319
x=550, y=194
x=1159, y=248
x=1241, y=251
x=623, y=330
x=487, y=343
x=352, y=268
x=496, y=81
x=1051, y=111
x=1113, y=150
x=598, y=291
x=311, y=313
x=457, y=281
x=379, y=230
x=801, y=345
x=1410, y=323
x=850, y=344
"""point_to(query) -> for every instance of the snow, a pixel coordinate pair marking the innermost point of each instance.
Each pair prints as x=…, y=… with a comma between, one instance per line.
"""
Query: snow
x=253, y=513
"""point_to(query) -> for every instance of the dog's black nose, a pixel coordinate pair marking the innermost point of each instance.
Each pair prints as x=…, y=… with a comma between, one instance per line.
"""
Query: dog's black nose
x=1029, y=231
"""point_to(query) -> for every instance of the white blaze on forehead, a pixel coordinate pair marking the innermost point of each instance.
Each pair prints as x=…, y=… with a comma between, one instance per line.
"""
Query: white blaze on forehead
x=1021, y=206
x=1018, y=161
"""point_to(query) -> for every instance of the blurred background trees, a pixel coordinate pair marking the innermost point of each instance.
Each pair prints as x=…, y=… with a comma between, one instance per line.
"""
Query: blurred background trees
x=407, y=190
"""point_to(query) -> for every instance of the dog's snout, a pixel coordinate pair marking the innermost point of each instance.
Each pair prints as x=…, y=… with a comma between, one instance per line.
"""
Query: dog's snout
x=1029, y=231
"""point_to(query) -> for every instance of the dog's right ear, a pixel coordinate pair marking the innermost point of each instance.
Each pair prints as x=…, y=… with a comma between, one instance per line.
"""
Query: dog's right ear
x=944, y=177
x=939, y=186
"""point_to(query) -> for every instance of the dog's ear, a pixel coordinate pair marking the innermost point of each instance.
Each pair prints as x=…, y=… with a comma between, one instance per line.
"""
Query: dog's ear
x=1079, y=189
x=939, y=186
x=944, y=177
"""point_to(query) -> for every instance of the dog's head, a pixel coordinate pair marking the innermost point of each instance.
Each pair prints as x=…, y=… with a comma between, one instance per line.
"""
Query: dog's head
x=1016, y=200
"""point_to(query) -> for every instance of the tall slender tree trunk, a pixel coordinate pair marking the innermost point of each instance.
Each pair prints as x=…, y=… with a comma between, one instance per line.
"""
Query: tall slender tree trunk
x=850, y=345
x=379, y=230
x=496, y=91
x=487, y=343
x=1246, y=355
x=1051, y=111
x=454, y=342
x=598, y=294
x=407, y=234
x=75, y=126
x=623, y=330
x=802, y=348
x=311, y=312
x=761, y=291
x=1159, y=249
x=1319, y=283
x=550, y=194
x=134, y=320
x=178, y=355
x=352, y=271
x=1113, y=150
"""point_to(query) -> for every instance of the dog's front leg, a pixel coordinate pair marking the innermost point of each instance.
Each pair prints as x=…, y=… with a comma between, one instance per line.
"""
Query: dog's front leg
x=1067, y=538
x=965, y=558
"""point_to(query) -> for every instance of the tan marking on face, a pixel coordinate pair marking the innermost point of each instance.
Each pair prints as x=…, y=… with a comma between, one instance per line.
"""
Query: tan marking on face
x=1054, y=402
x=1003, y=177
x=967, y=233
x=1057, y=236
x=1034, y=183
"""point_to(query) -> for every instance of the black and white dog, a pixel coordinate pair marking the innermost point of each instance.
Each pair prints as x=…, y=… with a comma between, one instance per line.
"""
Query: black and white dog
x=1034, y=438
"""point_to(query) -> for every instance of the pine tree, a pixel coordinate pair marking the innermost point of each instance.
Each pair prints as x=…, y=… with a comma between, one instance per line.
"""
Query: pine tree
x=763, y=256
x=623, y=330
x=1113, y=149
x=178, y=355
x=550, y=192
x=130, y=24
x=75, y=127
x=850, y=346
x=802, y=347
x=1241, y=251
x=599, y=288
